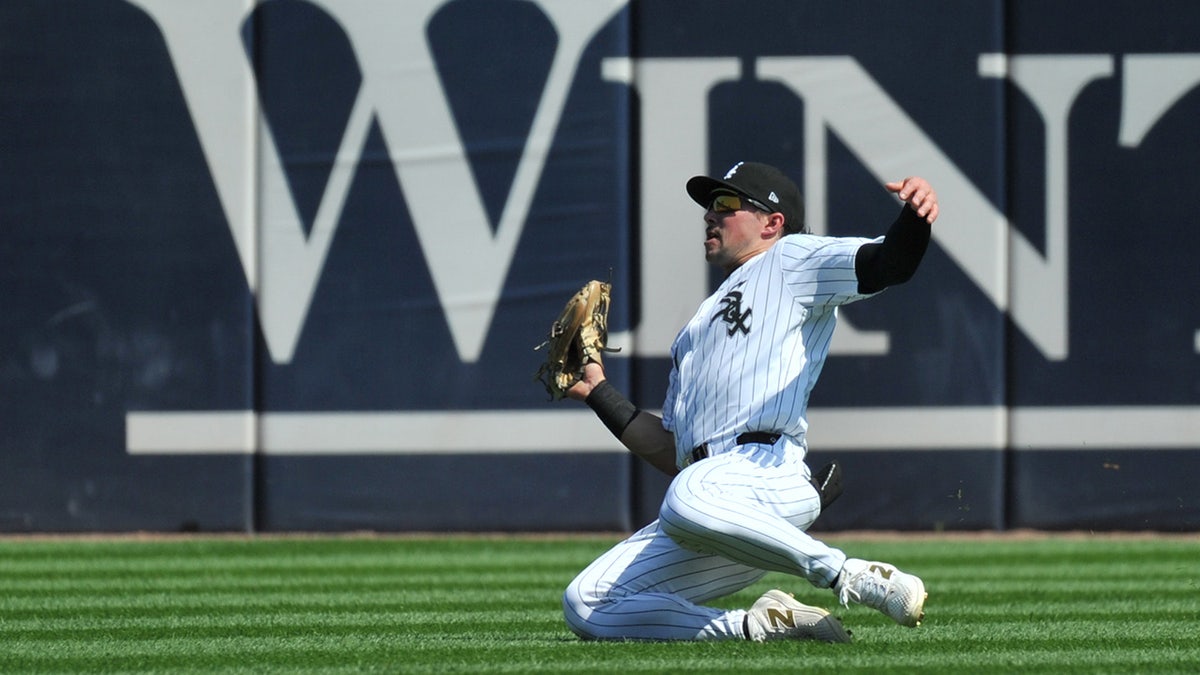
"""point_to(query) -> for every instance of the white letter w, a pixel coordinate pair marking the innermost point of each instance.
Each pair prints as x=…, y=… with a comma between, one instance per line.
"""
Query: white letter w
x=401, y=90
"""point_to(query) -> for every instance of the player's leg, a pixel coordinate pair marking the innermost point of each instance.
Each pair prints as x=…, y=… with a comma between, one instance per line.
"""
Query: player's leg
x=649, y=588
x=751, y=506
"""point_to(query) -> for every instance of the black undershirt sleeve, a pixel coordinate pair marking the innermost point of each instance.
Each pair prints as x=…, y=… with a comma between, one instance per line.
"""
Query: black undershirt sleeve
x=895, y=259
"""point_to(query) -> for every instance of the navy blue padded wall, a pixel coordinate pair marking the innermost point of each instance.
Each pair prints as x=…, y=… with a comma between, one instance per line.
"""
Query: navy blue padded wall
x=167, y=364
x=121, y=287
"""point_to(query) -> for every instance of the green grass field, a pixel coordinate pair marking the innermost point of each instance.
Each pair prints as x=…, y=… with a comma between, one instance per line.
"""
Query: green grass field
x=1086, y=604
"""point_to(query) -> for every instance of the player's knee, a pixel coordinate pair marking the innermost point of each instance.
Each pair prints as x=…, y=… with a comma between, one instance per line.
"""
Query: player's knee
x=578, y=607
x=679, y=521
x=670, y=521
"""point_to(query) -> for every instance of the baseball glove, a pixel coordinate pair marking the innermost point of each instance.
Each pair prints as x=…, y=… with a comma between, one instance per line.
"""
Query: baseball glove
x=577, y=336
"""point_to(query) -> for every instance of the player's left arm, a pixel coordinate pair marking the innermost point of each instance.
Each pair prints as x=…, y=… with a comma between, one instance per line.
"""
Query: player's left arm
x=641, y=432
x=896, y=258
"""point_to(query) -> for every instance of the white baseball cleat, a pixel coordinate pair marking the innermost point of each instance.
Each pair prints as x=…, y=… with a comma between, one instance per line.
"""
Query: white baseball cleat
x=885, y=588
x=779, y=616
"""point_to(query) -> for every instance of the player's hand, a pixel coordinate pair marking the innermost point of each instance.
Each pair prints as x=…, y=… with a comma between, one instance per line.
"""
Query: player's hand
x=917, y=193
x=593, y=374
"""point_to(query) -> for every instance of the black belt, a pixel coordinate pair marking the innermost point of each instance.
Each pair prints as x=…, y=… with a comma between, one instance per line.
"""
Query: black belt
x=765, y=437
x=827, y=481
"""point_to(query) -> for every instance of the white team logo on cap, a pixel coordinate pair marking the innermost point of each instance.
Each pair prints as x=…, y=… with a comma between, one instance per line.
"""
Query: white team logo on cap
x=732, y=171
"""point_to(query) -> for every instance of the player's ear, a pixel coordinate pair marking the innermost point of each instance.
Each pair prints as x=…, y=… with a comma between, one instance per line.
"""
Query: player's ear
x=774, y=226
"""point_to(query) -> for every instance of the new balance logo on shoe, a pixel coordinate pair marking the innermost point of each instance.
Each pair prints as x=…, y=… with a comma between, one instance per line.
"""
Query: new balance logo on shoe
x=778, y=619
x=779, y=616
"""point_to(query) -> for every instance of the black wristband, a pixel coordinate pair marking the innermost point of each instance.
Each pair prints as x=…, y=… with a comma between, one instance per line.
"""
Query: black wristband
x=613, y=409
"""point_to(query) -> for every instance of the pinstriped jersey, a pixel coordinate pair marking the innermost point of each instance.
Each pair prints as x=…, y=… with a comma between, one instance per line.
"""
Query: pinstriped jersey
x=748, y=359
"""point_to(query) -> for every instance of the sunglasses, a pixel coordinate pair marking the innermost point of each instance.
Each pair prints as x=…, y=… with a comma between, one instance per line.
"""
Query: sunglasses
x=727, y=203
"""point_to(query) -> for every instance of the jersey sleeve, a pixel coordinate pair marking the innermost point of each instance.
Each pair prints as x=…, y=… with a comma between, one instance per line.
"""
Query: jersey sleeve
x=668, y=411
x=820, y=270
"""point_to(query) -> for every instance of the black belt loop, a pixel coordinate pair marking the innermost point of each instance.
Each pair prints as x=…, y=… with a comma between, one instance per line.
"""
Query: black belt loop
x=765, y=437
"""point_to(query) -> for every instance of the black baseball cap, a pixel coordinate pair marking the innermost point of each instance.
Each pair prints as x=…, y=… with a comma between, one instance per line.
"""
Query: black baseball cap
x=760, y=182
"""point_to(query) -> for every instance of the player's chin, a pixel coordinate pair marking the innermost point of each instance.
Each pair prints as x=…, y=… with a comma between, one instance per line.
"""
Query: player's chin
x=718, y=257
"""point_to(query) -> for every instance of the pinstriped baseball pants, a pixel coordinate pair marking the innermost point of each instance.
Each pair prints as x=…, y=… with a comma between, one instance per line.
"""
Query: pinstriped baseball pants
x=724, y=523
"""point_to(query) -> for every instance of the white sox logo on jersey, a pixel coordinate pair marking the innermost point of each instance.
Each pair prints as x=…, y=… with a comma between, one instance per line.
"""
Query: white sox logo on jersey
x=731, y=313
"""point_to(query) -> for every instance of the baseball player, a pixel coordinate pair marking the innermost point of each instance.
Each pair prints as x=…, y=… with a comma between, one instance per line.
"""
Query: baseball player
x=732, y=431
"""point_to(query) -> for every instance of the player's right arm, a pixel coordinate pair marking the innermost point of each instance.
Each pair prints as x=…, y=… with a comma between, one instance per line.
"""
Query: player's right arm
x=895, y=260
x=642, y=433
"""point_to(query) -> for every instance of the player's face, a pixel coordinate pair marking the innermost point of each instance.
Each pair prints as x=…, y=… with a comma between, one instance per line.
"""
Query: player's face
x=733, y=237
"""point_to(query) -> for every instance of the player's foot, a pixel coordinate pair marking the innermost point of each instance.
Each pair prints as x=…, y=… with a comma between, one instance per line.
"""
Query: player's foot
x=778, y=616
x=883, y=587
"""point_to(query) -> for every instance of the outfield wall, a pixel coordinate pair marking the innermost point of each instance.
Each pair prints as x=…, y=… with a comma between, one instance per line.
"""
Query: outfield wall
x=280, y=266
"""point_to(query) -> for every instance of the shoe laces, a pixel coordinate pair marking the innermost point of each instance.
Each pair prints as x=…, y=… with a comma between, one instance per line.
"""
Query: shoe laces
x=866, y=587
